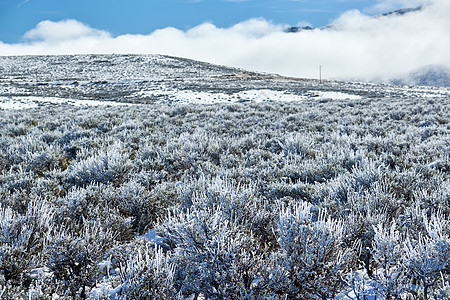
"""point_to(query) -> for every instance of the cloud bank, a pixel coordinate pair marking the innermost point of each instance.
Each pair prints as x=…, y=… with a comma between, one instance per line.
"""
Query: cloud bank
x=356, y=46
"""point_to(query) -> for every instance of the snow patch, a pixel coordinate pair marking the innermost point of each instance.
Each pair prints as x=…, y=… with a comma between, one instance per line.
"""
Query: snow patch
x=153, y=237
x=362, y=288
x=255, y=95
x=335, y=95
x=105, y=289
x=15, y=103
x=268, y=95
x=211, y=98
x=40, y=272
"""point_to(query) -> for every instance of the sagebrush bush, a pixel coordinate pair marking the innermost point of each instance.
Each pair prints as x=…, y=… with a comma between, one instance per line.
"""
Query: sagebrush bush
x=268, y=200
x=23, y=238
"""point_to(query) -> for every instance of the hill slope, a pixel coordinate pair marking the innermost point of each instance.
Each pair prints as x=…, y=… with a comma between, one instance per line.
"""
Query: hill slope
x=427, y=76
x=152, y=78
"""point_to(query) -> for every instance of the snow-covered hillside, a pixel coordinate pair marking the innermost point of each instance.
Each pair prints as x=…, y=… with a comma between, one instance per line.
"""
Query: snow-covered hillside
x=36, y=80
x=427, y=76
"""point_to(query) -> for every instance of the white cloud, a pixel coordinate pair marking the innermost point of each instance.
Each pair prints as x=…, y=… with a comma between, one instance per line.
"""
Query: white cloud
x=67, y=30
x=22, y=3
x=357, y=47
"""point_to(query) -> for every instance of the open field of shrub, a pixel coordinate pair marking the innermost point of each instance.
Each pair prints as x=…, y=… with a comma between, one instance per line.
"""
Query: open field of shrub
x=270, y=200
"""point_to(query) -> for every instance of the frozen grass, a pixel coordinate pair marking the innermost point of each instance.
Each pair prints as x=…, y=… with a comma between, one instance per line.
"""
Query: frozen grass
x=314, y=198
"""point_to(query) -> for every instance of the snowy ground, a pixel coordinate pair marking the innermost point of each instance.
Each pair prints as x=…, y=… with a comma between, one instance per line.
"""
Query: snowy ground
x=17, y=102
x=181, y=96
x=121, y=80
x=109, y=80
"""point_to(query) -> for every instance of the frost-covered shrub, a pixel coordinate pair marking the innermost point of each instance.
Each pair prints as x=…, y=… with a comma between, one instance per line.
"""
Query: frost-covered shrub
x=359, y=236
x=144, y=205
x=147, y=273
x=93, y=203
x=74, y=135
x=213, y=258
x=215, y=181
x=444, y=291
x=387, y=255
x=214, y=251
x=427, y=258
x=312, y=258
x=22, y=241
x=17, y=185
x=74, y=257
x=50, y=159
x=106, y=167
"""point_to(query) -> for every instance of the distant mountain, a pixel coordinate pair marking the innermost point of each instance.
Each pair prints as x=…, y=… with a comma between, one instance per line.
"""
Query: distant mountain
x=429, y=76
x=399, y=12
x=295, y=29
x=403, y=11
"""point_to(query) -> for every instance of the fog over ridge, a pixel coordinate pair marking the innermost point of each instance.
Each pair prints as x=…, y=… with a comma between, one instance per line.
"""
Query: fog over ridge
x=355, y=46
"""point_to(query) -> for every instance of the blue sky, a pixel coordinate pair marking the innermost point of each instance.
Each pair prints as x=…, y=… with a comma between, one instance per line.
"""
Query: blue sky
x=144, y=16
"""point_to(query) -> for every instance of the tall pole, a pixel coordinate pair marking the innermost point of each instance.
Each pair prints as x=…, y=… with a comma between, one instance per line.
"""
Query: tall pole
x=320, y=74
x=37, y=85
x=10, y=79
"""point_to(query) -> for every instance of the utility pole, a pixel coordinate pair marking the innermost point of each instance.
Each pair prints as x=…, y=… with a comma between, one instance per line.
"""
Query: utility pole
x=37, y=85
x=10, y=80
x=320, y=74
